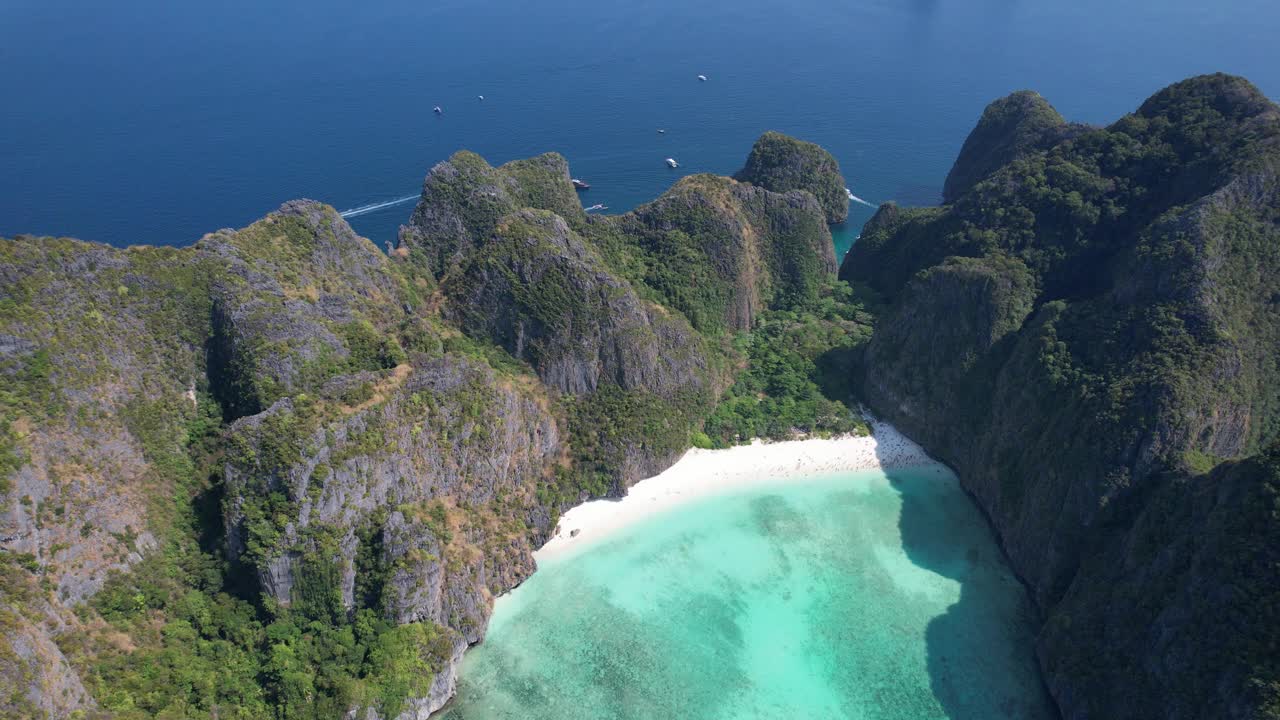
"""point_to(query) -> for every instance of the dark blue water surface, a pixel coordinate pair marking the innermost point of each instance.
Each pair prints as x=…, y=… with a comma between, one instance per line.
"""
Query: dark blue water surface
x=153, y=121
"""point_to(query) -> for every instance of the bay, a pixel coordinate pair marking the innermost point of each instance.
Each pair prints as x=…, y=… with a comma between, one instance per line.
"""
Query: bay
x=865, y=596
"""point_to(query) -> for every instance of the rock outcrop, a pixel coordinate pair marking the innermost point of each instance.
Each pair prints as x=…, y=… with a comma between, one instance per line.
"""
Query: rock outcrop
x=37, y=677
x=1190, y=576
x=423, y=505
x=1009, y=128
x=544, y=295
x=722, y=251
x=782, y=163
x=464, y=199
x=1084, y=334
x=616, y=311
x=101, y=349
x=297, y=297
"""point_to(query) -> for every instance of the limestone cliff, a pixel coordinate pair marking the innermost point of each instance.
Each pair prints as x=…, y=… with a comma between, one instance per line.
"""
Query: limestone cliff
x=543, y=294
x=283, y=473
x=781, y=163
x=1083, y=335
x=1009, y=128
x=463, y=200
x=623, y=313
x=722, y=251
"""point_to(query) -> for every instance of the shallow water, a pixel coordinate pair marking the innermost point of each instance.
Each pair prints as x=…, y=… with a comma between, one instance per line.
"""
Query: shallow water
x=863, y=596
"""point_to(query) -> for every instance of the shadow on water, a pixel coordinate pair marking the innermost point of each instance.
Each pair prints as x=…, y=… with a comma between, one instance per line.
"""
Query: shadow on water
x=980, y=652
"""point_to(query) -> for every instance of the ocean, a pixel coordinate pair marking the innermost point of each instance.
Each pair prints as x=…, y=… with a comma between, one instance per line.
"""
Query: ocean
x=148, y=121
x=860, y=596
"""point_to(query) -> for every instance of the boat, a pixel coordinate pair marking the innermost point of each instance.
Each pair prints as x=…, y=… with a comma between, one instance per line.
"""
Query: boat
x=597, y=207
x=480, y=96
x=437, y=110
x=703, y=78
x=671, y=162
x=661, y=131
x=858, y=200
x=580, y=185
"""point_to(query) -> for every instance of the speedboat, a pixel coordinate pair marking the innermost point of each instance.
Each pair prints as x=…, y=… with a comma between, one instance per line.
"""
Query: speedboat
x=703, y=78
x=580, y=185
x=437, y=110
x=661, y=131
x=671, y=162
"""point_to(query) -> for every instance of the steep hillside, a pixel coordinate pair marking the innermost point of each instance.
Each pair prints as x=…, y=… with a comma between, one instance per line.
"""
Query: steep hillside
x=283, y=474
x=631, y=315
x=1010, y=128
x=782, y=164
x=100, y=351
x=1079, y=332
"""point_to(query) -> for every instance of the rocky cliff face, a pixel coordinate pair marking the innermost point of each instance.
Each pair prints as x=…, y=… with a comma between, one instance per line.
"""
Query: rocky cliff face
x=1182, y=597
x=99, y=350
x=782, y=164
x=281, y=472
x=1081, y=334
x=38, y=679
x=722, y=251
x=95, y=340
x=543, y=294
x=464, y=199
x=1009, y=128
x=624, y=313
x=297, y=297
x=421, y=505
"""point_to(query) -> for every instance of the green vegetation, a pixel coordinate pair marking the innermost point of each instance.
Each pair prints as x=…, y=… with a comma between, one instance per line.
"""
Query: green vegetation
x=781, y=163
x=1191, y=538
x=108, y=343
x=710, y=247
x=344, y=412
x=611, y=425
x=797, y=377
x=1087, y=333
x=206, y=644
x=369, y=349
x=464, y=217
x=1010, y=128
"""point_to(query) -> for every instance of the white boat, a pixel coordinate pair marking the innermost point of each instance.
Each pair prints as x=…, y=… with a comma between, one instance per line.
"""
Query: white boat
x=437, y=110
x=703, y=78
x=671, y=162
x=480, y=96
x=858, y=200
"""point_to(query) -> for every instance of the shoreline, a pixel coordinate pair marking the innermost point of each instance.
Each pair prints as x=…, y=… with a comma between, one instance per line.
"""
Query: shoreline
x=700, y=474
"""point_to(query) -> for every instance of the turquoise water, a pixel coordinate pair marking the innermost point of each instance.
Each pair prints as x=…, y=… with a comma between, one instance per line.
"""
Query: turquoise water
x=866, y=596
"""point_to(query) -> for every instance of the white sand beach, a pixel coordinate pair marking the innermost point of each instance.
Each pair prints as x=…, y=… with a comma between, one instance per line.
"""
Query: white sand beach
x=702, y=473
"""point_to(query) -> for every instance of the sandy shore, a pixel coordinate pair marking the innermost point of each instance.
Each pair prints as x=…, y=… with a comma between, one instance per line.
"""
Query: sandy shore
x=701, y=473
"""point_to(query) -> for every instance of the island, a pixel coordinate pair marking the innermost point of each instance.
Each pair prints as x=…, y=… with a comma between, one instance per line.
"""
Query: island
x=282, y=473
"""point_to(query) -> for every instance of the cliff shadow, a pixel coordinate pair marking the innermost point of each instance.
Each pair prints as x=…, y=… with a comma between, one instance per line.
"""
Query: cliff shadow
x=980, y=650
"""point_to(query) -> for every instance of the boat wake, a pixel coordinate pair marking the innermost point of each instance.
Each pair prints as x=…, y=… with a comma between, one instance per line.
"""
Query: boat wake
x=858, y=200
x=374, y=207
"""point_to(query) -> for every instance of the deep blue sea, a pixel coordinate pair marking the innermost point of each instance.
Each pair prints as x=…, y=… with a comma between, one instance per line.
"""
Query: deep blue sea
x=153, y=121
